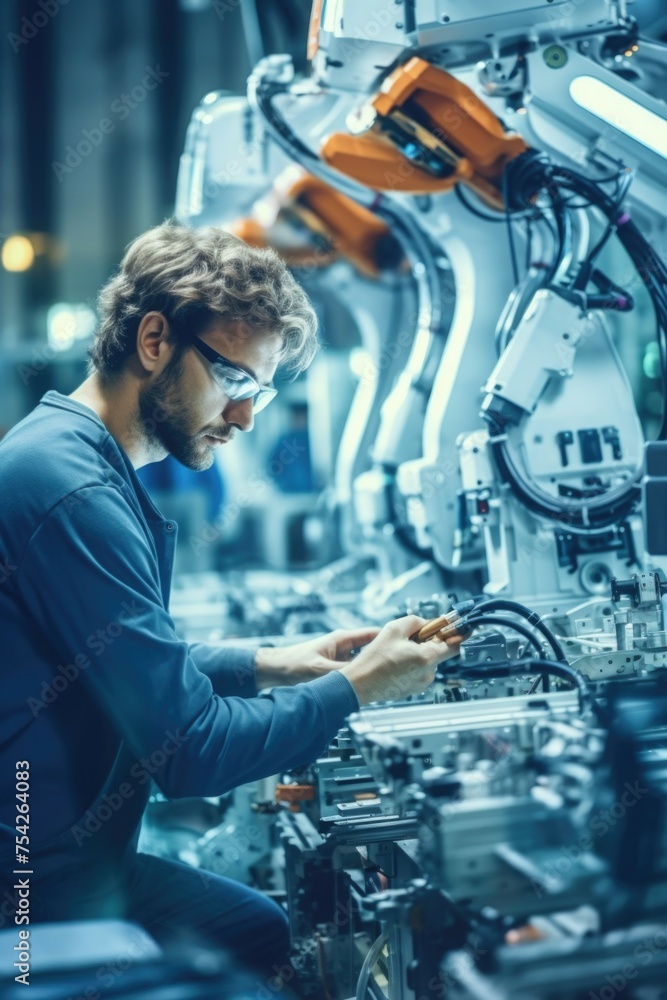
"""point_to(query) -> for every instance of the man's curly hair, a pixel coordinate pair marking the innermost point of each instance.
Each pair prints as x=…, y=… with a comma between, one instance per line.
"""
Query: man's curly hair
x=195, y=277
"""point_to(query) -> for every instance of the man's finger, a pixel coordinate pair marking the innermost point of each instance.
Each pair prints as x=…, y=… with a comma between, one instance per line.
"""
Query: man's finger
x=354, y=639
x=450, y=646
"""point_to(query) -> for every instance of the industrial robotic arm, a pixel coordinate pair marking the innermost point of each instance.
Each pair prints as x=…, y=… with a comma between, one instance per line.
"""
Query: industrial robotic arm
x=425, y=132
x=348, y=256
x=538, y=495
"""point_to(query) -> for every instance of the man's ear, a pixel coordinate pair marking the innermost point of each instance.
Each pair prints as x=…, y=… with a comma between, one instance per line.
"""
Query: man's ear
x=153, y=346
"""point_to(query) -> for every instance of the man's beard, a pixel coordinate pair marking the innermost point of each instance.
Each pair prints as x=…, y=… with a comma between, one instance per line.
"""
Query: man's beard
x=166, y=420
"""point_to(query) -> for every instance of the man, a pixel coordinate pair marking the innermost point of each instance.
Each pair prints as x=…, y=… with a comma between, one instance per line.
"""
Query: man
x=99, y=694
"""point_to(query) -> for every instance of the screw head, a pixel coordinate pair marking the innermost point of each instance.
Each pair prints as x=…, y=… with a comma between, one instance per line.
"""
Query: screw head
x=555, y=56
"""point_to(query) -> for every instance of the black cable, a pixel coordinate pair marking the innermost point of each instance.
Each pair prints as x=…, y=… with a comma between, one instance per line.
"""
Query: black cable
x=583, y=517
x=532, y=617
x=529, y=244
x=620, y=193
x=463, y=198
x=401, y=532
x=570, y=203
x=510, y=233
x=564, y=233
x=647, y=261
x=537, y=276
x=476, y=620
x=597, y=249
x=458, y=191
x=610, y=177
x=566, y=672
x=542, y=679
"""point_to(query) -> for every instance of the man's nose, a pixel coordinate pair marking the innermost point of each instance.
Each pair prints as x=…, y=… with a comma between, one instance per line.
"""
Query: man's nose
x=240, y=414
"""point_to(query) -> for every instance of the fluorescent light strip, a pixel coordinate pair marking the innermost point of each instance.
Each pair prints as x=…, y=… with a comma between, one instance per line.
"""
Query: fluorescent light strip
x=620, y=111
x=332, y=15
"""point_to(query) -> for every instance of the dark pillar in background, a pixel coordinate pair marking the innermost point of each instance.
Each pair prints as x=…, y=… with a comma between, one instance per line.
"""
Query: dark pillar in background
x=36, y=89
x=168, y=28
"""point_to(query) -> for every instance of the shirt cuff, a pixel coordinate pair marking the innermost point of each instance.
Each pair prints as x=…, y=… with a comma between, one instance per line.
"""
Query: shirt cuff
x=336, y=697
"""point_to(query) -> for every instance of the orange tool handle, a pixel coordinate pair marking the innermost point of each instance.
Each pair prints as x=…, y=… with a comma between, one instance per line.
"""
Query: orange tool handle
x=446, y=627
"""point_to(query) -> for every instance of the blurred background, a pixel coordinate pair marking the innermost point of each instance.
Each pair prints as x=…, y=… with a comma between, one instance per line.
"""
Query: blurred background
x=96, y=100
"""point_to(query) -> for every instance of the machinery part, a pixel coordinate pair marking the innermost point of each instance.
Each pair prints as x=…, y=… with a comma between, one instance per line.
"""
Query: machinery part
x=502, y=604
x=294, y=795
x=370, y=960
x=440, y=732
x=513, y=626
x=531, y=172
x=424, y=132
x=543, y=346
x=270, y=78
x=520, y=175
x=333, y=226
x=589, y=485
x=556, y=668
x=635, y=756
x=642, y=590
x=565, y=966
x=351, y=45
x=654, y=498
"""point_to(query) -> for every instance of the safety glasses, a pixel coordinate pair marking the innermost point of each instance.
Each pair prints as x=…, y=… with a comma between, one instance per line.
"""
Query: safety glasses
x=235, y=381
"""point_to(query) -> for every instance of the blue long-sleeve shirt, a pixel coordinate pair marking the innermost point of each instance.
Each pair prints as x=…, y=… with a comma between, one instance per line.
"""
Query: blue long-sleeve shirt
x=99, y=693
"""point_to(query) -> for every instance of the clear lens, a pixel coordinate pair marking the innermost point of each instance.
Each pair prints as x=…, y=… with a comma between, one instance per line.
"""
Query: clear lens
x=240, y=385
x=263, y=398
x=235, y=384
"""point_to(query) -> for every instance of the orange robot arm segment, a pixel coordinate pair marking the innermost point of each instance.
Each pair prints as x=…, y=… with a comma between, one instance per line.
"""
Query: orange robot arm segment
x=332, y=226
x=429, y=132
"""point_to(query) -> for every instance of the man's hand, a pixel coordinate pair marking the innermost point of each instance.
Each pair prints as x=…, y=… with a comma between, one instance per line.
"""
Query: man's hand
x=283, y=665
x=394, y=666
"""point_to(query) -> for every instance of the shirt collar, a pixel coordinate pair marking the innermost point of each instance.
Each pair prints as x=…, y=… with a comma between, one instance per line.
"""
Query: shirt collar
x=54, y=398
